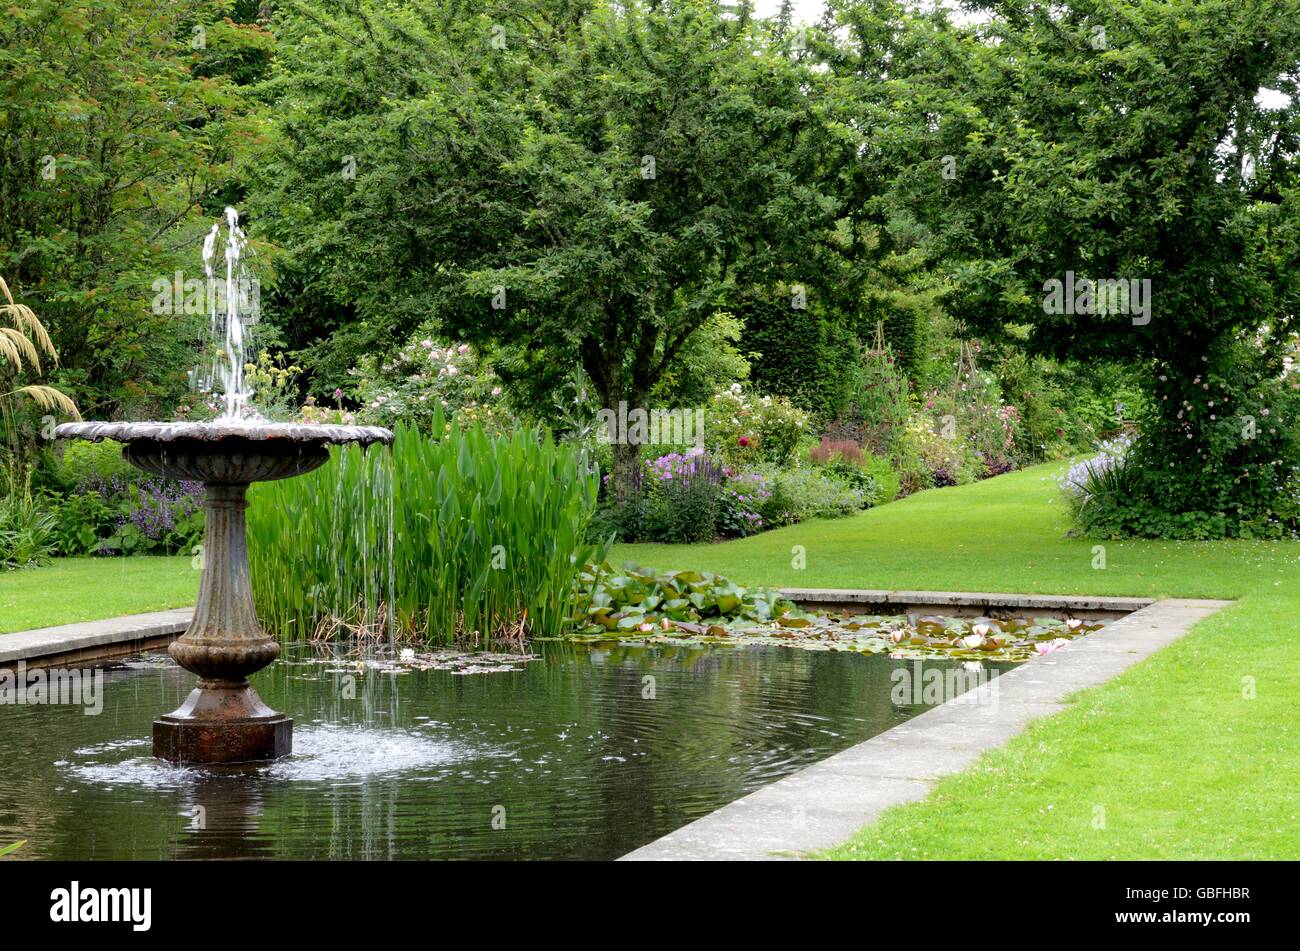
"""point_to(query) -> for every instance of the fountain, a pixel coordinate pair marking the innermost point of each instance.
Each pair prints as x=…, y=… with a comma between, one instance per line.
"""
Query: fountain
x=223, y=720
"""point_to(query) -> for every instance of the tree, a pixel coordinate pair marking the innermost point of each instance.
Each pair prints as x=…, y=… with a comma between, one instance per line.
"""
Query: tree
x=570, y=182
x=1056, y=150
x=110, y=143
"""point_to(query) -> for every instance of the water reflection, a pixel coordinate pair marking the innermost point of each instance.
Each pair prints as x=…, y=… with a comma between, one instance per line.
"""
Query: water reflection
x=577, y=754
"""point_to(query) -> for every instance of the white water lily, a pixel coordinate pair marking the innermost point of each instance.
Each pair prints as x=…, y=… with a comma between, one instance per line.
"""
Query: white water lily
x=972, y=640
x=406, y=655
x=1073, y=624
x=981, y=629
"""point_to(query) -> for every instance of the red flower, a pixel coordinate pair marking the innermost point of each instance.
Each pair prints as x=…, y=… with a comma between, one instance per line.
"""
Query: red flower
x=744, y=441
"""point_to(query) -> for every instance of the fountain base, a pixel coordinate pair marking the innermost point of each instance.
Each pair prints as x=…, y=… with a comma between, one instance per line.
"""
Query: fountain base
x=222, y=723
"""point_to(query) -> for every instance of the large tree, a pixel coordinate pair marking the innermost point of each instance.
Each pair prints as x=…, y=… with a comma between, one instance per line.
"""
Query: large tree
x=574, y=181
x=116, y=131
x=1120, y=140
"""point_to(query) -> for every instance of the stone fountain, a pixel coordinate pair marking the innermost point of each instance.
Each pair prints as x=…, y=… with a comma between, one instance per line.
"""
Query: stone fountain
x=223, y=720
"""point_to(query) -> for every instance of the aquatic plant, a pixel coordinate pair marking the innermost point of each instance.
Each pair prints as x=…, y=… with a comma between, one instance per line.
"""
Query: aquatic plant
x=466, y=537
x=697, y=607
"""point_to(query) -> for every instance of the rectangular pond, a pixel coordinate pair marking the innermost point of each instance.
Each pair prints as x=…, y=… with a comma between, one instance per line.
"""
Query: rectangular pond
x=581, y=753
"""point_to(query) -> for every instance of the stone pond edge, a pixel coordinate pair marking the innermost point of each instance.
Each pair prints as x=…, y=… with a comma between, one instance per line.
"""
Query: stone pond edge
x=825, y=804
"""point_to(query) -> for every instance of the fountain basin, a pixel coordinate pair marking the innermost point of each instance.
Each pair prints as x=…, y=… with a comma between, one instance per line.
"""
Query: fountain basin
x=224, y=720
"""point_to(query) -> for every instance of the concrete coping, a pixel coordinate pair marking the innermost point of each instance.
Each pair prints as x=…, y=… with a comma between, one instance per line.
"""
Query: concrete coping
x=991, y=601
x=89, y=640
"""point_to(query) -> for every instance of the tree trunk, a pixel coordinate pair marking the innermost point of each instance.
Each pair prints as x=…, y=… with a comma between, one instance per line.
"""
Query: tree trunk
x=623, y=478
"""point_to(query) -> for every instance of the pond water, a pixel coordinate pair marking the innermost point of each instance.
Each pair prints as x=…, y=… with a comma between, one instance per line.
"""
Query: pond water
x=580, y=753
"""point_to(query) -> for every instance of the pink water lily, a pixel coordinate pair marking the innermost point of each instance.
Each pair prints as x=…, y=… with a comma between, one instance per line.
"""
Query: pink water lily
x=1046, y=647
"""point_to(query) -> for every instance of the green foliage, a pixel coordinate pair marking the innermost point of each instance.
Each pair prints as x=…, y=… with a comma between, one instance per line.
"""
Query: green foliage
x=1246, y=483
x=429, y=377
x=84, y=460
x=27, y=531
x=744, y=429
x=110, y=144
x=1065, y=407
x=798, y=353
x=880, y=405
x=593, y=190
x=85, y=521
x=486, y=538
x=709, y=361
x=630, y=601
x=1140, y=156
x=802, y=493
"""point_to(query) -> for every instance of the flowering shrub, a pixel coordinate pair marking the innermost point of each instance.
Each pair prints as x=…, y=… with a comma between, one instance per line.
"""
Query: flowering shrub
x=745, y=429
x=1091, y=477
x=740, y=509
x=120, y=514
x=1245, y=436
x=427, y=374
x=948, y=460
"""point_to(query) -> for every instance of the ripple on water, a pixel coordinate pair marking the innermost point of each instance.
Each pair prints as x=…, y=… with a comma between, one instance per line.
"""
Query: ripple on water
x=321, y=753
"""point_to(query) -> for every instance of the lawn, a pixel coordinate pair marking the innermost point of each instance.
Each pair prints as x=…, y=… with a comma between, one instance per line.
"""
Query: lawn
x=1192, y=754
x=88, y=589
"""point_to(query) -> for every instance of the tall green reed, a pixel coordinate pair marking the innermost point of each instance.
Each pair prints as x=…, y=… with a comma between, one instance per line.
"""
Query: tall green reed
x=486, y=539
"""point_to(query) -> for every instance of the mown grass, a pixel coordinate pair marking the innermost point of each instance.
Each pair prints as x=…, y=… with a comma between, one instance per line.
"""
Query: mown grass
x=90, y=589
x=1191, y=754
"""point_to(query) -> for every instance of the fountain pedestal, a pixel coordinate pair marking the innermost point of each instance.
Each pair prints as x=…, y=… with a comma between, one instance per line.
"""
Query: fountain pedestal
x=223, y=720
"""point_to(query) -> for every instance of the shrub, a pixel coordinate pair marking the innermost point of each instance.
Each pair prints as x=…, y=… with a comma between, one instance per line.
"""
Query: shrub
x=946, y=459
x=145, y=515
x=886, y=477
x=799, y=494
x=831, y=450
x=84, y=461
x=844, y=459
x=685, y=506
x=83, y=522
x=429, y=376
x=741, y=502
x=486, y=538
x=1247, y=485
x=746, y=430
x=27, y=531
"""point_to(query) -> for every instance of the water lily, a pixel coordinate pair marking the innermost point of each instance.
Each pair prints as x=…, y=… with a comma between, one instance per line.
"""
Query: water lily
x=1073, y=623
x=981, y=629
x=972, y=641
x=406, y=654
x=1046, y=647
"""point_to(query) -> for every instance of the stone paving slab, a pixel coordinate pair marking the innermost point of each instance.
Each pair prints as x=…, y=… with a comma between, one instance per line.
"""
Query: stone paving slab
x=960, y=602
x=826, y=803
x=85, y=640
